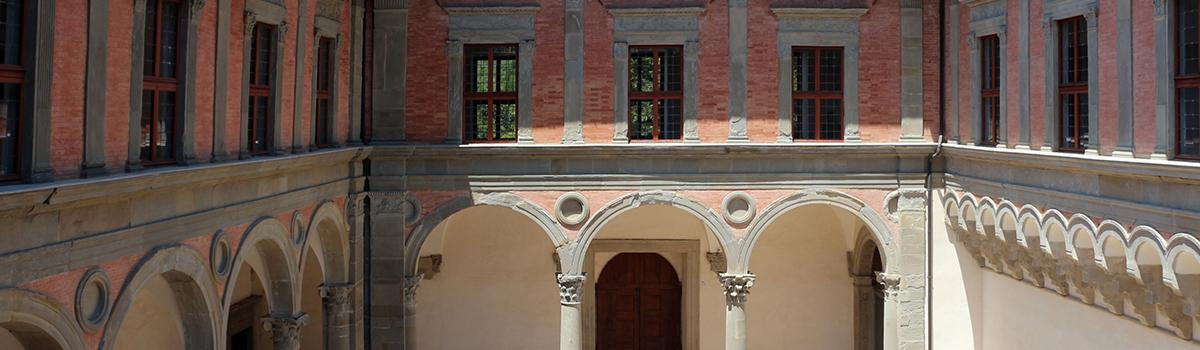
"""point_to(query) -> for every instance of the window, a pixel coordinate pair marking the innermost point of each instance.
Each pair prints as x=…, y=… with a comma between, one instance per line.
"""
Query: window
x=160, y=85
x=655, y=92
x=1073, y=84
x=490, y=95
x=989, y=88
x=12, y=78
x=324, y=67
x=262, y=63
x=1187, y=80
x=817, y=93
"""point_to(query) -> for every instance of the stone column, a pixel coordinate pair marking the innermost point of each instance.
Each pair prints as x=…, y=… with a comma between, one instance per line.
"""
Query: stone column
x=737, y=288
x=338, y=302
x=891, y=302
x=384, y=273
x=1023, y=75
x=570, y=288
x=411, y=284
x=906, y=309
x=285, y=330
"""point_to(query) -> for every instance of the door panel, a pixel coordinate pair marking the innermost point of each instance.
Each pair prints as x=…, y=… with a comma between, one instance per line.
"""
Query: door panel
x=638, y=304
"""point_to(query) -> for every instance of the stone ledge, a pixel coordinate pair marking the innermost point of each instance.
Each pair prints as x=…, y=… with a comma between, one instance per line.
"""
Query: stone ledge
x=1163, y=170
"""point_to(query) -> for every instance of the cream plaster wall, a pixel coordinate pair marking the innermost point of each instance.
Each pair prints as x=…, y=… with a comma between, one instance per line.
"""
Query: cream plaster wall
x=496, y=288
x=153, y=322
x=974, y=308
x=9, y=341
x=310, y=303
x=803, y=297
x=247, y=284
x=665, y=222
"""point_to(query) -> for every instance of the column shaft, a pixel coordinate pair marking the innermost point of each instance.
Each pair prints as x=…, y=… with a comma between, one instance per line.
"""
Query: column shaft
x=737, y=289
x=571, y=326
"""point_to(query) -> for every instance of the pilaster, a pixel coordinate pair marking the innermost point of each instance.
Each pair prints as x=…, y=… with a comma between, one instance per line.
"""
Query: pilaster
x=573, y=72
x=737, y=71
x=912, y=79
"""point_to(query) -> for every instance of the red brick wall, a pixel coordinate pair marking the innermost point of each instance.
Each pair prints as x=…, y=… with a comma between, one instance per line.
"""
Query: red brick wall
x=712, y=86
x=597, y=76
x=1037, y=77
x=66, y=99
x=762, y=76
x=1108, y=75
x=879, y=73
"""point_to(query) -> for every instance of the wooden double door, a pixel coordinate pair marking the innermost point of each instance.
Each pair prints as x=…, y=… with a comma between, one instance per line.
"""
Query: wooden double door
x=638, y=304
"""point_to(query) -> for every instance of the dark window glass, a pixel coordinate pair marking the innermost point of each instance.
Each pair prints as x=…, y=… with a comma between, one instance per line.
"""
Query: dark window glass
x=324, y=111
x=490, y=93
x=655, y=92
x=12, y=76
x=817, y=93
x=1187, y=80
x=259, y=95
x=160, y=81
x=1073, y=84
x=989, y=88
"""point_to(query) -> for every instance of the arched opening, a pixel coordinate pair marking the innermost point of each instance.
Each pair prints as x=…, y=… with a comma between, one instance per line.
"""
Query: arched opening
x=493, y=276
x=638, y=304
x=312, y=277
x=261, y=287
x=154, y=320
x=30, y=321
x=249, y=305
x=24, y=336
x=808, y=295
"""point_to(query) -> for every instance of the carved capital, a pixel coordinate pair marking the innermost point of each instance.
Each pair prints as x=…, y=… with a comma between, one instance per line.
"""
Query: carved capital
x=1160, y=8
x=196, y=7
x=972, y=41
x=338, y=295
x=251, y=19
x=285, y=331
x=1090, y=16
x=569, y=288
x=283, y=27
x=890, y=283
x=1002, y=34
x=737, y=288
x=411, y=283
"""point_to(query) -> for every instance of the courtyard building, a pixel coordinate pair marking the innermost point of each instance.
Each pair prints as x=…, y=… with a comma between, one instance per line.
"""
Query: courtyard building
x=599, y=174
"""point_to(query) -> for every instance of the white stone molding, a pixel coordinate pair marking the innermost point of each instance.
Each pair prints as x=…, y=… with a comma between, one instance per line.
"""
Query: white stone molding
x=285, y=331
x=1136, y=272
x=569, y=288
x=874, y=222
x=890, y=283
x=737, y=288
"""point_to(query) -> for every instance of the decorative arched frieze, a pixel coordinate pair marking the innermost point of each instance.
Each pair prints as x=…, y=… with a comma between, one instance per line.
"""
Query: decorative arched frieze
x=1128, y=272
x=873, y=221
x=439, y=214
x=574, y=255
x=328, y=237
x=267, y=249
x=195, y=294
x=37, y=321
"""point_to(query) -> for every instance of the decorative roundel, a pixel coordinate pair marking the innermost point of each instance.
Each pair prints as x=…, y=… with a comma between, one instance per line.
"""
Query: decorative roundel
x=738, y=208
x=411, y=207
x=92, y=299
x=571, y=209
x=220, y=256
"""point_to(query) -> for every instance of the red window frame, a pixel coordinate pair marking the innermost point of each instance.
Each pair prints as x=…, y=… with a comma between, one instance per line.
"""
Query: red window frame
x=155, y=82
x=989, y=89
x=14, y=74
x=659, y=94
x=324, y=66
x=262, y=57
x=818, y=95
x=1186, y=77
x=1073, y=82
x=491, y=97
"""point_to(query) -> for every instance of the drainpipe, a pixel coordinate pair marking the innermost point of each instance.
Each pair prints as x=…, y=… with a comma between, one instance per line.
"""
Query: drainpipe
x=929, y=174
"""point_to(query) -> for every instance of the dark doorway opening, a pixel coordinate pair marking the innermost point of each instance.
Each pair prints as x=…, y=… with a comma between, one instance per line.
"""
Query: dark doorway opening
x=638, y=304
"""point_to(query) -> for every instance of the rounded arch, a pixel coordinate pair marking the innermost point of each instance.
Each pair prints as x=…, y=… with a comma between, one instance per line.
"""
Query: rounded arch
x=1029, y=227
x=986, y=218
x=1146, y=250
x=1054, y=232
x=328, y=237
x=871, y=219
x=194, y=292
x=863, y=255
x=37, y=321
x=950, y=205
x=426, y=224
x=1183, y=261
x=573, y=264
x=1007, y=224
x=968, y=214
x=266, y=247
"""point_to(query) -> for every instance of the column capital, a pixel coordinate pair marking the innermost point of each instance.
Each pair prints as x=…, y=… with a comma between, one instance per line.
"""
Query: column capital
x=285, y=330
x=569, y=288
x=1090, y=16
x=737, y=288
x=337, y=295
x=890, y=283
x=411, y=283
x=1160, y=8
x=250, y=19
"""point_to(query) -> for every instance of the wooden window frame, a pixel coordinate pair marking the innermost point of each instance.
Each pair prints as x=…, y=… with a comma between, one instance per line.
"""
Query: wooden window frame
x=1182, y=80
x=15, y=74
x=656, y=95
x=490, y=97
x=325, y=80
x=155, y=83
x=989, y=89
x=264, y=36
x=1076, y=86
x=818, y=95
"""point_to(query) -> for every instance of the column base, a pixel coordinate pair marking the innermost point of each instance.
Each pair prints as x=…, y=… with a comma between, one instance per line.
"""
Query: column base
x=1122, y=153
x=1022, y=147
x=1159, y=156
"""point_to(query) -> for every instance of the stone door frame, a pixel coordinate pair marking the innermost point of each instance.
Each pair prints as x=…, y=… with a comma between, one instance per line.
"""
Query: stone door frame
x=690, y=279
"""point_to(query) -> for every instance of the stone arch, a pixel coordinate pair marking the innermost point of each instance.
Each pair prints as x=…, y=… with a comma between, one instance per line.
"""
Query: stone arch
x=1110, y=248
x=871, y=219
x=1182, y=272
x=862, y=257
x=968, y=214
x=266, y=248
x=1029, y=227
x=950, y=204
x=1007, y=224
x=573, y=264
x=194, y=292
x=1146, y=254
x=986, y=218
x=1054, y=233
x=426, y=224
x=38, y=322
x=328, y=237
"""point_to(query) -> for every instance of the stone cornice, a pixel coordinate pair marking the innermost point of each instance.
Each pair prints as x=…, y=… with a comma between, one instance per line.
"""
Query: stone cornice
x=490, y=10
x=670, y=150
x=823, y=13
x=656, y=11
x=1161, y=170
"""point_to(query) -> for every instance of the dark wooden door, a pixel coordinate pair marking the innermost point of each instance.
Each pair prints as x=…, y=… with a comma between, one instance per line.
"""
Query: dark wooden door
x=638, y=304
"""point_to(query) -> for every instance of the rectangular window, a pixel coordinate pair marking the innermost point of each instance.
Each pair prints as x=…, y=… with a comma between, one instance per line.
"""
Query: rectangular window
x=490, y=94
x=655, y=92
x=160, y=85
x=1187, y=80
x=817, y=93
x=12, y=77
x=1073, y=84
x=323, y=108
x=989, y=88
x=262, y=62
